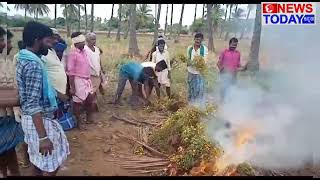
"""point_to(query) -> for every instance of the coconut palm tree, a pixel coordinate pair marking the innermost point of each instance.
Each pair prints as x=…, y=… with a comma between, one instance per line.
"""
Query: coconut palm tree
x=209, y=25
x=86, y=17
x=119, y=22
x=249, y=8
x=65, y=12
x=126, y=15
x=171, y=21
x=92, y=15
x=133, y=44
x=144, y=15
x=156, y=24
x=71, y=14
x=253, y=64
x=217, y=13
x=224, y=21
x=237, y=15
x=25, y=7
x=110, y=21
x=39, y=9
x=80, y=7
x=180, y=24
x=230, y=12
x=166, y=23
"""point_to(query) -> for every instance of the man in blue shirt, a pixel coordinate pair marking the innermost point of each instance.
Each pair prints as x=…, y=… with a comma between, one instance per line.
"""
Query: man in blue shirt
x=137, y=75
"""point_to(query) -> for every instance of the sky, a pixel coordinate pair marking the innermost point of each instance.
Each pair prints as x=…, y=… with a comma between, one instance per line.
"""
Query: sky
x=100, y=11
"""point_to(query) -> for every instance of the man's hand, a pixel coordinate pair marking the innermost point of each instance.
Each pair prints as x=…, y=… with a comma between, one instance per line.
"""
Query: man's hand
x=72, y=91
x=62, y=97
x=45, y=147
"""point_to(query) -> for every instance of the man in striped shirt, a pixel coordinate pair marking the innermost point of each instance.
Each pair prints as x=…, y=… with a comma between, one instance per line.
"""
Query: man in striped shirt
x=48, y=146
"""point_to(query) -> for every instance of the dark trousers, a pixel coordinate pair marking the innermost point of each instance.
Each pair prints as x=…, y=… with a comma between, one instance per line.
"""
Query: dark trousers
x=136, y=87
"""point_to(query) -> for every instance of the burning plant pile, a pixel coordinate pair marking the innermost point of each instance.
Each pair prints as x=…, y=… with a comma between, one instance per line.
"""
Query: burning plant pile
x=192, y=153
x=183, y=136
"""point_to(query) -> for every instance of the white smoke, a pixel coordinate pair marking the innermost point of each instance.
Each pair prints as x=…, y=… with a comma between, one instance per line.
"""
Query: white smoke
x=288, y=114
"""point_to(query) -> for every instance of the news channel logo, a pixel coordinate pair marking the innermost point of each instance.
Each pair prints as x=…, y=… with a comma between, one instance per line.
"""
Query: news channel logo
x=288, y=13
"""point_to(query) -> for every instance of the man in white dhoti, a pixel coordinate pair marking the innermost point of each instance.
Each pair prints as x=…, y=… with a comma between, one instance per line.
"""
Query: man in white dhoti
x=164, y=76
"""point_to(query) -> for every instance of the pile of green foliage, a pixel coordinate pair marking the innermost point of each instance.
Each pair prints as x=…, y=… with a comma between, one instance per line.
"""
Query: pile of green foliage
x=183, y=135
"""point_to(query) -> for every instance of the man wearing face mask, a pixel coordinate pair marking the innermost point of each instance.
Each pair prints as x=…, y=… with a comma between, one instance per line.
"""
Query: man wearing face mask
x=79, y=72
x=229, y=65
x=48, y=146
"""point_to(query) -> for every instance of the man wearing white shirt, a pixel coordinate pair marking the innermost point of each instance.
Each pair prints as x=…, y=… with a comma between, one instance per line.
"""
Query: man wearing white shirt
x=94, y=53
x=161, y=54
x=195, y=78
x=56, y=72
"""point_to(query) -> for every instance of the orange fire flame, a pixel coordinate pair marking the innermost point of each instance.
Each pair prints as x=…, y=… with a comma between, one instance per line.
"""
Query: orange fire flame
x=224, y=165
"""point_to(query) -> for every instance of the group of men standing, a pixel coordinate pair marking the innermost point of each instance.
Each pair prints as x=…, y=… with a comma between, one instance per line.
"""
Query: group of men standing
x=47, y=75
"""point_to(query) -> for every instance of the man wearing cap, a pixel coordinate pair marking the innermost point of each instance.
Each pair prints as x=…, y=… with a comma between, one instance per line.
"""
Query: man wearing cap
x=79, y=72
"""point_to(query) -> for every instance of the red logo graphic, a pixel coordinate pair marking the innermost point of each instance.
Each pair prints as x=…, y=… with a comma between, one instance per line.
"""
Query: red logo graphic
x=269, y=8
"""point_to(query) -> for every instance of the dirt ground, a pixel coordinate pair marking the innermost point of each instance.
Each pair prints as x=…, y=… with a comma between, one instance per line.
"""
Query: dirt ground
x=91, y=149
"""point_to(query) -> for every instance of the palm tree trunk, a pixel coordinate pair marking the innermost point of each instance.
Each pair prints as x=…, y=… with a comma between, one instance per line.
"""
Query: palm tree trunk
x=110, y=21
x=155, y=10
x=127, y=31
x=86, y=17
x=92, y=15
x=180, y=24
x=37, y=15
x=235, y=11
x=171, y=21
x=133, y=44
x=156, y=24
x=55, y=15
x=253, y=64
x=67, y=20
x=209, y=24
x=195, y=13
x=79, y=18
x=25, y=14
x=119, y=22
x=236, y=8
x=230, y=12
x=166, y=23
x=128, y=24
x=224, y=22
x=203, y=12
x=243, y=30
